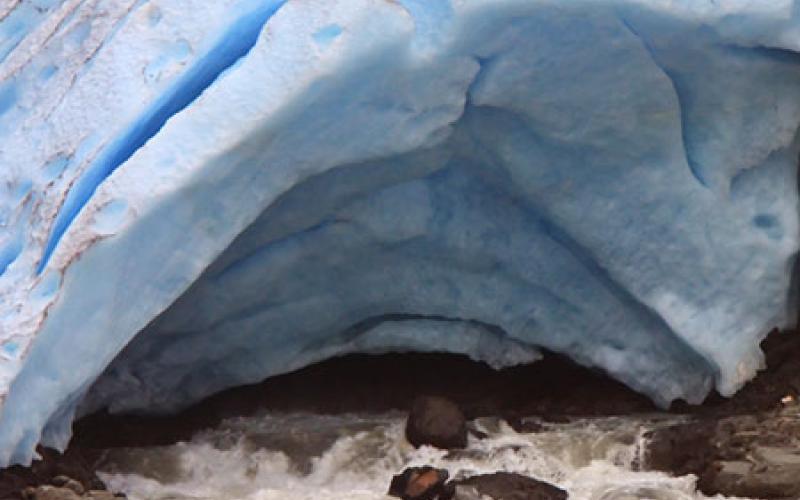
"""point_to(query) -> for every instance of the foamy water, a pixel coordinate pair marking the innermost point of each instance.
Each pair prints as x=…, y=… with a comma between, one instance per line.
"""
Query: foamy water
x=353, y=457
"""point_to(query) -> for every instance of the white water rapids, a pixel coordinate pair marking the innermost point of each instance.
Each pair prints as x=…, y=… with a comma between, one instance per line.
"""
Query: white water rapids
x=353, y=457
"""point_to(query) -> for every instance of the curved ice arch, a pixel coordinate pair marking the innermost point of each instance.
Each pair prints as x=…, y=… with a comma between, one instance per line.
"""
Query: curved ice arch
x=614, y=180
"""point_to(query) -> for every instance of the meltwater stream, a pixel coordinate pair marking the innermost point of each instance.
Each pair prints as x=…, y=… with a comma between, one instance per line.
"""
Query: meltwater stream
x=298, y=456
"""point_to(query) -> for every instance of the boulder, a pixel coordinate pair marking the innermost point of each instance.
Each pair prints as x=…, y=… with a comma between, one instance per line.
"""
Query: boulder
x=508, y=486
x=421, y=483
x=50, y=493
x=69, y=483
x=438, y=422
x=681, y=449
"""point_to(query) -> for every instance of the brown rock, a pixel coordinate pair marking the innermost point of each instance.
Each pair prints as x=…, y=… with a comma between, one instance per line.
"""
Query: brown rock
x=100, y=495
x=69, y=483
x=743, y=456
x=682, y=449
x=437, y=422
x=52, y=468
x=51, y=493
x=523, y=425
x=510, y=486
x=420, y=483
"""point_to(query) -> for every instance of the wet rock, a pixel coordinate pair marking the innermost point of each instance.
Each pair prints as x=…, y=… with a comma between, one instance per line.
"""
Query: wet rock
x=50, y=493
x=524, y=425
x=764, y=472
x=475, y=432
x=756, y=456
x=69, y=483
x=67, y=491
x=507, y=486
x=437, y=422
x=467, y=493
x=465, y=454
x=681, y=449
x=53, y=469
x=421, y=483
x=745, y=479
x=101, y=495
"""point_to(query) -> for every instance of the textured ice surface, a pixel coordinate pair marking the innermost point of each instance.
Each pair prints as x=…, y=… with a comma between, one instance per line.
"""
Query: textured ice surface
x=209, y=193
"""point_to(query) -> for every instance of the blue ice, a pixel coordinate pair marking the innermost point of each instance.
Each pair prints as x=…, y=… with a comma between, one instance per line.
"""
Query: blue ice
x=614, y=180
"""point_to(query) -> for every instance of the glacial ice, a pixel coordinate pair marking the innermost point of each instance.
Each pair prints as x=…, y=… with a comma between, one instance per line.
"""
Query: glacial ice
x=196, y=195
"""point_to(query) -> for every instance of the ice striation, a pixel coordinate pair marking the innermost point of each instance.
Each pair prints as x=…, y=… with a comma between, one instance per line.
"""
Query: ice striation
x=196, y=195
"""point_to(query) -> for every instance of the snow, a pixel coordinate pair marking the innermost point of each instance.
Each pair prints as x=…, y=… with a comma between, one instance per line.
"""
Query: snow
x=196, y=195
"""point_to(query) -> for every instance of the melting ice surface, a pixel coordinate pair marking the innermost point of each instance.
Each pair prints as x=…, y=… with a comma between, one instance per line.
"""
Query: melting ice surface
x=351, y=457
x=196, y=195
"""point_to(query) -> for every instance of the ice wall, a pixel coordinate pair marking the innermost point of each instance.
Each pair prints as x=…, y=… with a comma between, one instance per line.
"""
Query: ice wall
x=209, y=193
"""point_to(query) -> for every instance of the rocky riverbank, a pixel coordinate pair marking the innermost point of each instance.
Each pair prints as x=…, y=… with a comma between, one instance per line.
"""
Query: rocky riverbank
x=744, y=446
x=753, y=456
x=748, y=445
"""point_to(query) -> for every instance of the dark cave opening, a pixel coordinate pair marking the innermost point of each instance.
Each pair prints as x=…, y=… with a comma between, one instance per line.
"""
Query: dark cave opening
x=552, y=388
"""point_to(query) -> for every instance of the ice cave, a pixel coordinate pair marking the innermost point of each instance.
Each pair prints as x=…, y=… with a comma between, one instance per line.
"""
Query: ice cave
x=196, y=195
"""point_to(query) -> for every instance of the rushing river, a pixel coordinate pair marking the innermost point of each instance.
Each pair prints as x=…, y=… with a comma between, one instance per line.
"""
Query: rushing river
x=353, y=457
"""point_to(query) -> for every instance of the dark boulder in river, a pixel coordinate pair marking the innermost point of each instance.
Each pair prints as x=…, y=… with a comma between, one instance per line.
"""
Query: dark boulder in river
x=437, y=422
x=510, y=486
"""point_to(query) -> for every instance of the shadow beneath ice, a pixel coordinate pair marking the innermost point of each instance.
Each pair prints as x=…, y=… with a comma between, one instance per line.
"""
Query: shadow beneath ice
x=552, y=388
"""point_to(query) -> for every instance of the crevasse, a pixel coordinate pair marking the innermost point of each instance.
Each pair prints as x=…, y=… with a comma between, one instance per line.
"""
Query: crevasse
x=231, y=47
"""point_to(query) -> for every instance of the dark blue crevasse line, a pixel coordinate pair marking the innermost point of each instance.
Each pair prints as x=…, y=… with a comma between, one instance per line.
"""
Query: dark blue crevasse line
x=237, y=41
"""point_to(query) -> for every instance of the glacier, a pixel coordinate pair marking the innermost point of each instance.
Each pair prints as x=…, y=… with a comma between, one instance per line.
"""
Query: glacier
x=197, y=195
